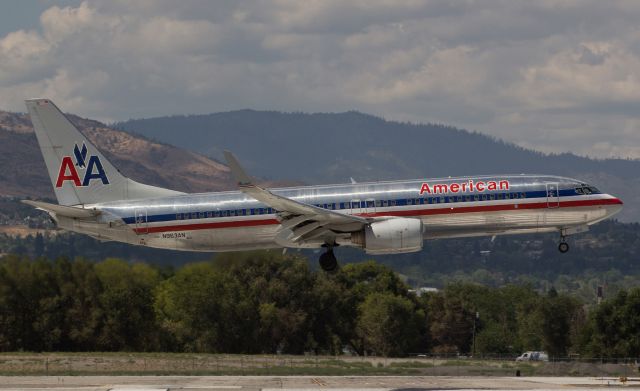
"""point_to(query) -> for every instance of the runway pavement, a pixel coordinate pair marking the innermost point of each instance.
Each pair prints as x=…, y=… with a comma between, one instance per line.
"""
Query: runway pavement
x=311, y=383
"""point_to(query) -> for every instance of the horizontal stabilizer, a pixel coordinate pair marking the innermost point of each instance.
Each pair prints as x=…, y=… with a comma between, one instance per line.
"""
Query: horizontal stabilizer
x=61, y=210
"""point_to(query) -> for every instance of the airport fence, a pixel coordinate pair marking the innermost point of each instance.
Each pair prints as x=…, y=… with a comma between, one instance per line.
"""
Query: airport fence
x=219, y=364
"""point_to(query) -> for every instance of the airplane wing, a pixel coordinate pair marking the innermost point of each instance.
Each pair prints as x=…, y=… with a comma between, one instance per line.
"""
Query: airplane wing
x=305, y=221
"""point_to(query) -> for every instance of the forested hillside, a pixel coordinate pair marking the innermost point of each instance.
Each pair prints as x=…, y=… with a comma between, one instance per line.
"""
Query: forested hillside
x=331, y=147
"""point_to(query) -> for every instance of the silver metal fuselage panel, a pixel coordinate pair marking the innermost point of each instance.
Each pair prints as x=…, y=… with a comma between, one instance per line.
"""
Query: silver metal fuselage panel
x=231, y=221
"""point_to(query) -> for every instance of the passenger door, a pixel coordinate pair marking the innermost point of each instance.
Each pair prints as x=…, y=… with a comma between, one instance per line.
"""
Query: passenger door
x=553, y=195
x=142, y=225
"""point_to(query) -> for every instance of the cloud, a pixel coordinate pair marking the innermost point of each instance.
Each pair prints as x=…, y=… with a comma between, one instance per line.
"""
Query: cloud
x=556, y=76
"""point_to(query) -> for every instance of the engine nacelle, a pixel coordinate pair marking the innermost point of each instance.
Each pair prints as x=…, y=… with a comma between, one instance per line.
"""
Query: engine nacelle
x=393, y=236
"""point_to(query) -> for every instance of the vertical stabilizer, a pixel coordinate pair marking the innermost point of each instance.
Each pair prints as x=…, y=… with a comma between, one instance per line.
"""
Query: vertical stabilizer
x=79, y=173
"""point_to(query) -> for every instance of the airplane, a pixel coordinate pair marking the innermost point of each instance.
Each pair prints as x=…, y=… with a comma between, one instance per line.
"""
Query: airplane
x=390, y=217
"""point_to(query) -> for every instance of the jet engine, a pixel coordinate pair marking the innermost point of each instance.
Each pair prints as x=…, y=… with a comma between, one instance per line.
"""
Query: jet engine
x=393, y=236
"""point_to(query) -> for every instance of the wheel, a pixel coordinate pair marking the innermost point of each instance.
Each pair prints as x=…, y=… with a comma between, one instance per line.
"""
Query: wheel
x=563, y=247
x=328, y=261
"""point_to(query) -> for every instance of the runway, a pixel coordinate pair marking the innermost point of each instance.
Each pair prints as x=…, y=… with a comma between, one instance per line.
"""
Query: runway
x=310, y=383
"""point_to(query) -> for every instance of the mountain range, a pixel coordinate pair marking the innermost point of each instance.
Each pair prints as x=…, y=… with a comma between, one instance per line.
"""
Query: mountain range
x=24, y=174
x=332, y=147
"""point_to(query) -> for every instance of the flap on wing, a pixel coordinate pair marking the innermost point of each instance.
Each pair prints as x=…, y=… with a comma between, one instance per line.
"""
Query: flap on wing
x=61, y=210
x=284, y=204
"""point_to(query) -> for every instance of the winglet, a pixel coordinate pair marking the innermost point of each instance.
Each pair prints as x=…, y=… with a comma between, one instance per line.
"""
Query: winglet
x=241, y=177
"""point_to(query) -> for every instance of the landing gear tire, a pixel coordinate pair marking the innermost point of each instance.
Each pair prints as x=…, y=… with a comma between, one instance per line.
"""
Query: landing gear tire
x=563, y=247
x=328, y=261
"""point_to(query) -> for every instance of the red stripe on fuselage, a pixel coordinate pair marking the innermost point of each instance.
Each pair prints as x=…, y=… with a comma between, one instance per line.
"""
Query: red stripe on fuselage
x=398, y=213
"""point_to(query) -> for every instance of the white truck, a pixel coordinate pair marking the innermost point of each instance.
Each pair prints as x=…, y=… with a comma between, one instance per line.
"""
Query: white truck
x=533, y=356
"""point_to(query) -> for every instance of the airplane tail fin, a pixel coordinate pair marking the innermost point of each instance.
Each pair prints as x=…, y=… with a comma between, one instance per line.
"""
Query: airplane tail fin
x=79, y=173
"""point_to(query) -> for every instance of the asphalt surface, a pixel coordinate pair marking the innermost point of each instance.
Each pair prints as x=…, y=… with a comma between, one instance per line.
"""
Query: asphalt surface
x=334, y=383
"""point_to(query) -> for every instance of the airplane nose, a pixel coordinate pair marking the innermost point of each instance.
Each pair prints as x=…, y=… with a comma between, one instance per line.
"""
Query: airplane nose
x=614, y=206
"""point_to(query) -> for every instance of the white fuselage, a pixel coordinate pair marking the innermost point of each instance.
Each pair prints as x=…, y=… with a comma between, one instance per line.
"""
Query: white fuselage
x=231, y=221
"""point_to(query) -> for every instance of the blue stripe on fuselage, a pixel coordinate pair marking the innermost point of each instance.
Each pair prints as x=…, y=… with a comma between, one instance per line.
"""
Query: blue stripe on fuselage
x=399, y=202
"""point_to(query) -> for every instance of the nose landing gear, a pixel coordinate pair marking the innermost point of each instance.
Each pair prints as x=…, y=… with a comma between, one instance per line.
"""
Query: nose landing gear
x=328, y=261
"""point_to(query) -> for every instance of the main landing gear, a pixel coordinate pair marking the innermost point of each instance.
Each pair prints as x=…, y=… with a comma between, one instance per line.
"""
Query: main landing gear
x=563, y=247
x=328, y=261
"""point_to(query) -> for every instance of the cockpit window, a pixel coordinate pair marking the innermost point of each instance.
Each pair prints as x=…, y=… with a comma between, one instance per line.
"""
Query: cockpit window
x=586, y=189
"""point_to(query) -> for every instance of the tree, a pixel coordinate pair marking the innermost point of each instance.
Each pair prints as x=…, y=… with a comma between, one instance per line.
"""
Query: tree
x=451, y=324
x=127, y=304
x=390, y=325
x=557, y=312
x=614, y=327
x=188, y=307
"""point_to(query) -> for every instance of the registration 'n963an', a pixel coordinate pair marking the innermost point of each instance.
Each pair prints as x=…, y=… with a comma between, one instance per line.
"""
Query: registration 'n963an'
x=174, y=235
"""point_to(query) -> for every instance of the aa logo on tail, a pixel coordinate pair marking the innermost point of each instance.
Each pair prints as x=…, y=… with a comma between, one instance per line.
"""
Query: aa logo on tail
x=91, y=168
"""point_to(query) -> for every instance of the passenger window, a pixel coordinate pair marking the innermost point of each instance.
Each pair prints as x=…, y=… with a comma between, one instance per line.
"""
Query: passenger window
x=178, y=216
x=492, y=196
x=476, y=197
x=371, y=204
x=523, y=195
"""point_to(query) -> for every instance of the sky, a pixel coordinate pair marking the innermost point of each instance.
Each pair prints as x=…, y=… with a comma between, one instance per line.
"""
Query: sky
x=555, y=76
